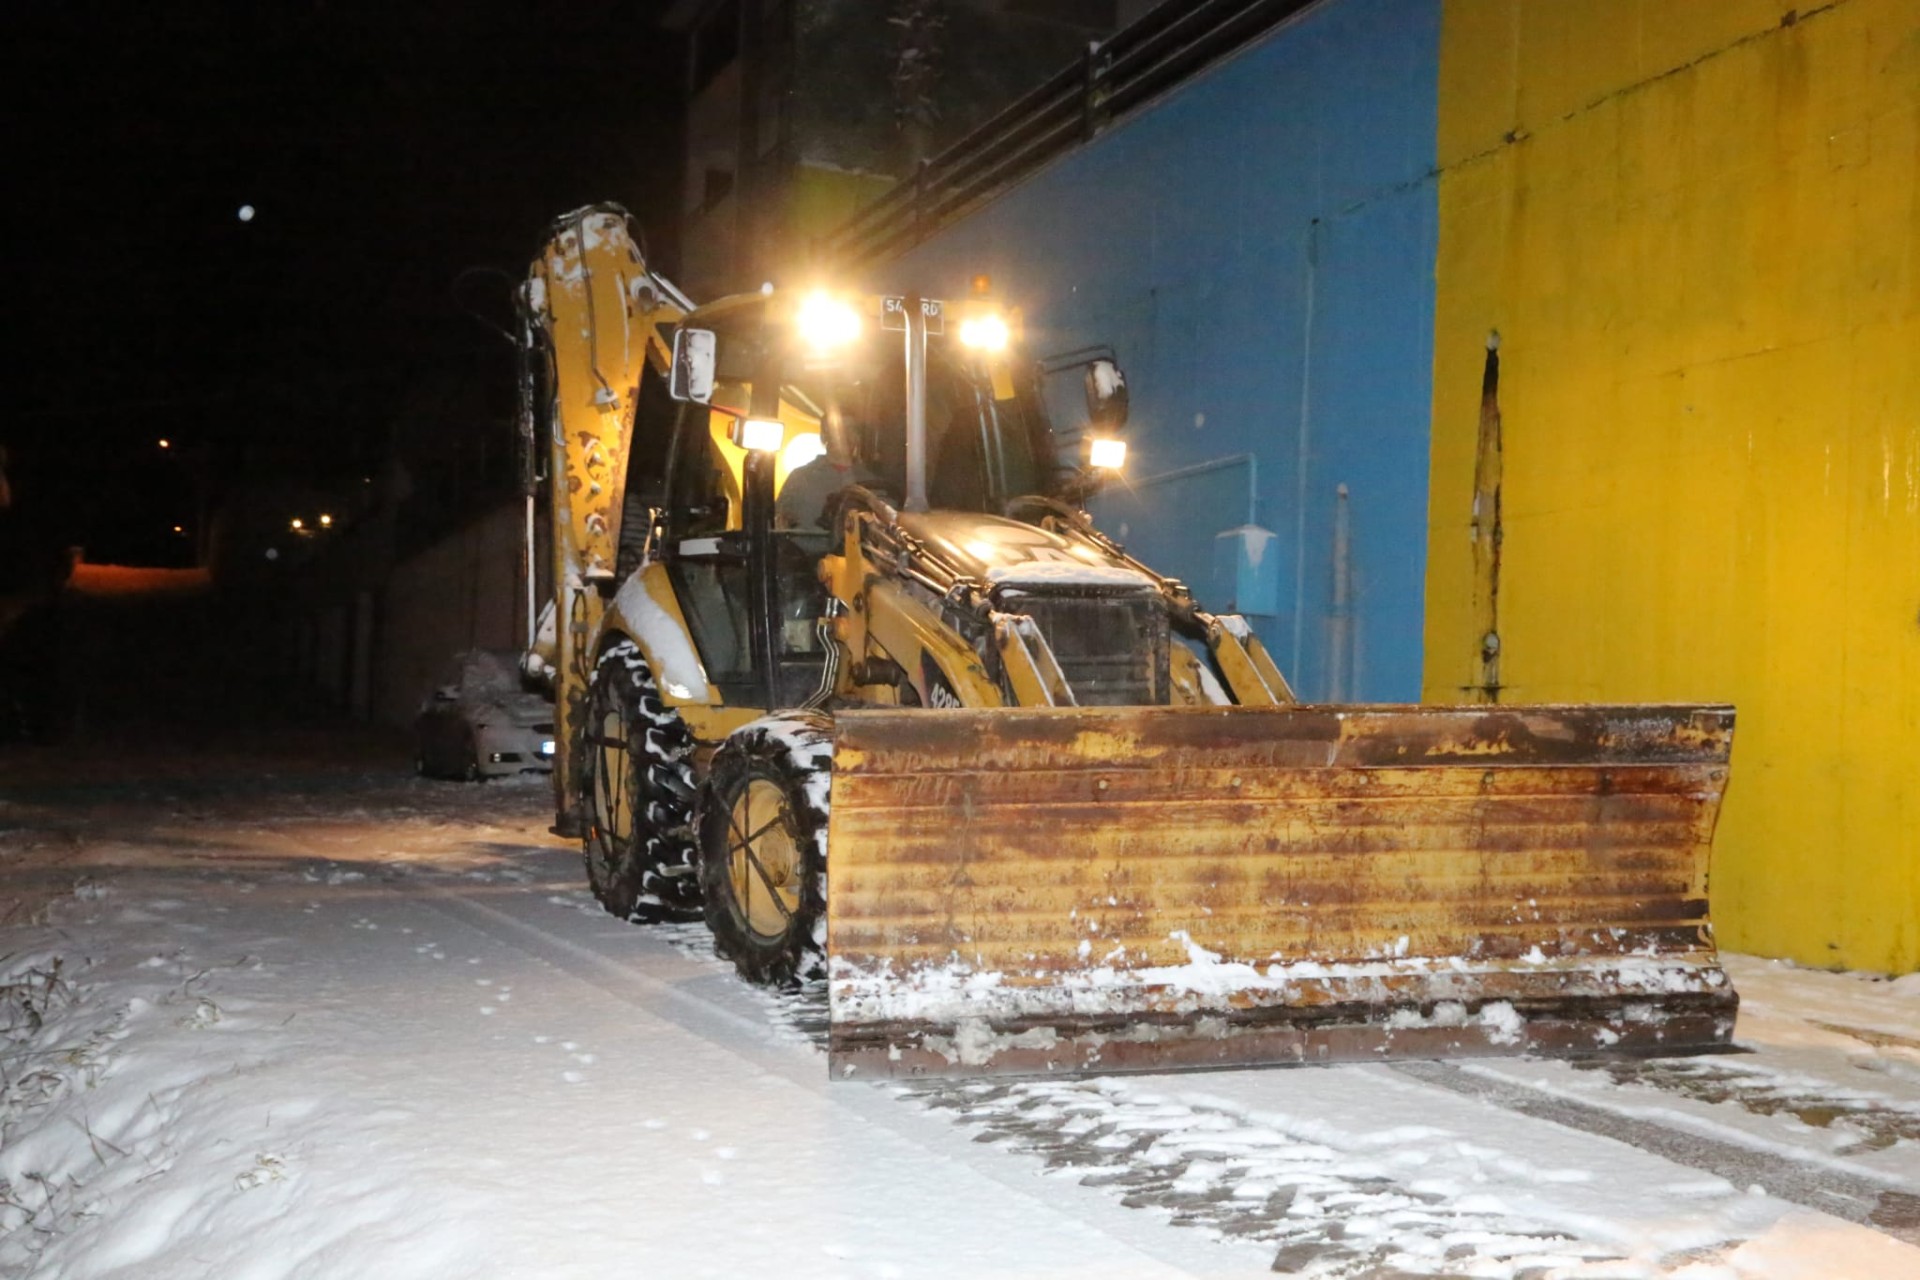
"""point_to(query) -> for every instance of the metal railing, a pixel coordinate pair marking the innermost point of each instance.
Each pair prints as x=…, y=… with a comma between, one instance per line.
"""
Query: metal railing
x=1171, y=44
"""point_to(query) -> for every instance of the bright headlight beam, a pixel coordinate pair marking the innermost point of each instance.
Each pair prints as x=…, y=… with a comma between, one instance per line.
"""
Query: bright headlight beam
x=826, y=322
x=984, y=333
x=761, y=435
x=1108, y=455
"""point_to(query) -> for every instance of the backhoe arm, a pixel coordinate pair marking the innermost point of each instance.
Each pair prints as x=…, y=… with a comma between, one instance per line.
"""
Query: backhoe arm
x=597, y=318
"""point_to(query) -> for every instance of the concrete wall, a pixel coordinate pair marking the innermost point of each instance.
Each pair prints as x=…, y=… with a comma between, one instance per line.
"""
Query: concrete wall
x=1258, y=249
x=461, y=593
x=1697, y=227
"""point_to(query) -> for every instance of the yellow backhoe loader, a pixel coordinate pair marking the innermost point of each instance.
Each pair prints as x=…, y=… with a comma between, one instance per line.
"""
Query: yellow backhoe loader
x=829, y=612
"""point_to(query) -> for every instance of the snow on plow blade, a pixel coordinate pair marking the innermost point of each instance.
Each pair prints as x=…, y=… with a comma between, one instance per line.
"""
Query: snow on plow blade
x=1149, y=889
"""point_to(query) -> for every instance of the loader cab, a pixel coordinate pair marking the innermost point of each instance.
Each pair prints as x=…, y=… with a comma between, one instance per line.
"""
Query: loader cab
x=766, y=403
x=989, y=437
x=749, y=591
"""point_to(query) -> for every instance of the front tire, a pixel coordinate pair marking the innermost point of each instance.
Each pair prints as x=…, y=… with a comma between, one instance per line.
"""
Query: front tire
x=636, y=785
x=763, y=847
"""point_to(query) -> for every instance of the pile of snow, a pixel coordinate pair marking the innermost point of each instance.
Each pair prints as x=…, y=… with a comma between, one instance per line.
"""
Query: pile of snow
x=1116, y=982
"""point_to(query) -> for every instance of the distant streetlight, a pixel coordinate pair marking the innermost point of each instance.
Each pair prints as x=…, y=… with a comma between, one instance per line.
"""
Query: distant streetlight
x=165, y=443
x=246, y=213
x=178, y=529
x=297, y=524
x=326, y=521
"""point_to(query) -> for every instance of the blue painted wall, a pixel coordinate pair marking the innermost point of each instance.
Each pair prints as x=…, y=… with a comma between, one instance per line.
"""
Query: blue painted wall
x=1258, y=248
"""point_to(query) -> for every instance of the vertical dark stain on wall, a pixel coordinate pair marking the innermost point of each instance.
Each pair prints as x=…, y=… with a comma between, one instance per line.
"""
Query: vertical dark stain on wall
x=1487, y=533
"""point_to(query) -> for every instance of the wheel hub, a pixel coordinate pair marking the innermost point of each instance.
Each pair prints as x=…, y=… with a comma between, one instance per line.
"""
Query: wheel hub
x=612, y=813
x=763, y=863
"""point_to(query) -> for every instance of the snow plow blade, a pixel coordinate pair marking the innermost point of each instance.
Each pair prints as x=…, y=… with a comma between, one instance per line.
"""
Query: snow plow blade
x=1152, y=889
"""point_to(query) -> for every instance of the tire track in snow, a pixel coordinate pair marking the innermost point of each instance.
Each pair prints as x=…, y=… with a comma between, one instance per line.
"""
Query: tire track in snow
x=1878, y=1122
x=1878, y=1039
x=1329, y=1214
x=1811, y=1183
x=664, y=998
x=802, y=1010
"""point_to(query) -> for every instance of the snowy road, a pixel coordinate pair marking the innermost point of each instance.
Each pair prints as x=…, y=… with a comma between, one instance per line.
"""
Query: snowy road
x=324, y=1022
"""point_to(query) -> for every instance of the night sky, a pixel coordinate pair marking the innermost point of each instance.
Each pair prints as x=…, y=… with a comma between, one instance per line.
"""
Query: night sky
x=385, y=148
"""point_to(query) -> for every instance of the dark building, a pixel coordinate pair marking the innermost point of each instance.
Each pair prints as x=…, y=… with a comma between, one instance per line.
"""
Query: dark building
x=800, y=111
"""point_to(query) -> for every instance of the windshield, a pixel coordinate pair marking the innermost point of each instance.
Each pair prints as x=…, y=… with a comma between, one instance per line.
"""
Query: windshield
x=987, y=433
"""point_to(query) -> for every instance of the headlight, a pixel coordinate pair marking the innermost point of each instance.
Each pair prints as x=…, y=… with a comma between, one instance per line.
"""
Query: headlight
x=984, y=333
x=760, y=435
x=1107, y=454
x=826, y=322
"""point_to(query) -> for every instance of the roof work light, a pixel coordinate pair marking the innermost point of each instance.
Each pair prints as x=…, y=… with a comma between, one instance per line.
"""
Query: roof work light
x=984, y=332
x=1107, y=453
x=827, y=322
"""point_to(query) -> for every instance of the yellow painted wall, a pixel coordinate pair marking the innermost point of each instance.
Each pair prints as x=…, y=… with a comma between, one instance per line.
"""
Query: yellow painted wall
x=1697, y=228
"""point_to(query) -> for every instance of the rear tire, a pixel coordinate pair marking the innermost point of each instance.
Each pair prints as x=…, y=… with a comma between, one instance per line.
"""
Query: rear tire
x=636, y=791
x=763, y=847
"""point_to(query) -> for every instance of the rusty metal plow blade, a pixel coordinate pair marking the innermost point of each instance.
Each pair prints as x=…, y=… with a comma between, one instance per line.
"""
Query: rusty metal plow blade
x=1145, y=889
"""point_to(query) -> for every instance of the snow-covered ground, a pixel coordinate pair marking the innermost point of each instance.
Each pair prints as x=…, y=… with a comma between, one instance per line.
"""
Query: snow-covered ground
x=314, y=1020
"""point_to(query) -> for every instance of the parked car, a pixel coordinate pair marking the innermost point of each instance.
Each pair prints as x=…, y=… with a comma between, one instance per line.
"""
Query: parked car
x=479, y=722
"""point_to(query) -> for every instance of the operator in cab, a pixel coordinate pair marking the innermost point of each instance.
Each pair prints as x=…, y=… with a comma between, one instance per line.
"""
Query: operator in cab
x=806, y=499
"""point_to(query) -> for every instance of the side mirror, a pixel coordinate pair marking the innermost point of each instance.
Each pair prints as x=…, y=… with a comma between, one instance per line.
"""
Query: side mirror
x=1106, y=395
x=695, y=353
